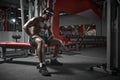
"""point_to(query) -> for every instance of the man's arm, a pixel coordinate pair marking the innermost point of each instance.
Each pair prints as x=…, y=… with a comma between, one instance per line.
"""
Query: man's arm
x=50, y=31
x=28, y=25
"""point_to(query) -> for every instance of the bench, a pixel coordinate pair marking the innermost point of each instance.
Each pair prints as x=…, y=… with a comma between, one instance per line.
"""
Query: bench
x=14, y=45
x=74, y=41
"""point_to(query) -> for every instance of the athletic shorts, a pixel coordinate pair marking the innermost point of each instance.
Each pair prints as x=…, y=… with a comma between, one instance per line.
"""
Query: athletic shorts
x=33, y=43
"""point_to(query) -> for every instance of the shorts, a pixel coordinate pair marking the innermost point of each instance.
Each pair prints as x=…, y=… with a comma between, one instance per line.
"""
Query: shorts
x=33, y=43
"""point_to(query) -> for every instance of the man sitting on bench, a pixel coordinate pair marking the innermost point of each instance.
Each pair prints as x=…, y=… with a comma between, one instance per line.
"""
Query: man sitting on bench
x=37, y=29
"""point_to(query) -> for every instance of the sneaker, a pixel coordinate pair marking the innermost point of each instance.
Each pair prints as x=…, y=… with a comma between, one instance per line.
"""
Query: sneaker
x=43, y=70
x=56, y=62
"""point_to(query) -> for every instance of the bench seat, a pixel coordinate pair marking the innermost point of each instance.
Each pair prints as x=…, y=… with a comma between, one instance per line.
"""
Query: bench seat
x=16, y=45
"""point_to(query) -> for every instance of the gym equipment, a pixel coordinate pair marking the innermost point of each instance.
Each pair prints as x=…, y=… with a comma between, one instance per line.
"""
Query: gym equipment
x=74, y=40
x=16, y=45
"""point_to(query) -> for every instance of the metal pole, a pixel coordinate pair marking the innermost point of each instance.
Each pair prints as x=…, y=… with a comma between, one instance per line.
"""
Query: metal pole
x=22, y=19
x=30, y=9
x=36, y=8
x=117, y=24
x=108, y=35
x=47, y=3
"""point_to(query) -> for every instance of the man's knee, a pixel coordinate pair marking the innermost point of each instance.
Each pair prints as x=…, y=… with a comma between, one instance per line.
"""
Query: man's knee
x=59, y=42
x=40, y=41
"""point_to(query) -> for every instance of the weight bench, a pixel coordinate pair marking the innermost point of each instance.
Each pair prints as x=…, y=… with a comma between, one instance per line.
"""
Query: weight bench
x=15, y=45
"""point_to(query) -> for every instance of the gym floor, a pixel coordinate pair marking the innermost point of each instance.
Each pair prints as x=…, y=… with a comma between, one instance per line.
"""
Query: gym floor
x=76, y=66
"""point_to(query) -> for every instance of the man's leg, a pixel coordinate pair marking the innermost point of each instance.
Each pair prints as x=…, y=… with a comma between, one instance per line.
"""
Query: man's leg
x=40, y=51
x=57, y=44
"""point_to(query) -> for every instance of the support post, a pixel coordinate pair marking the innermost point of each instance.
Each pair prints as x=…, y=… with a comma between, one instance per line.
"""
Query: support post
x=22, y=19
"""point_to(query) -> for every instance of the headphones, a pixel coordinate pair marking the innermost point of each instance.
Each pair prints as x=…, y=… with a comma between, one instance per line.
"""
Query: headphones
x=48, y=10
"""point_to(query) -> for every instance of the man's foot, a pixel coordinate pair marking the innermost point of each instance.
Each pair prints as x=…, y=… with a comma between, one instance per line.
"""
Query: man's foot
x=43, y=70
x=56, y=62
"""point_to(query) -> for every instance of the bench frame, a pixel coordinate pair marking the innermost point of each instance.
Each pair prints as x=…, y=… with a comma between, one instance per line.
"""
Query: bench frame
x=15, y=45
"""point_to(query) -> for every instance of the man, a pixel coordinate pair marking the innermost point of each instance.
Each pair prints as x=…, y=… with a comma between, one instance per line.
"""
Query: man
x=40, y=32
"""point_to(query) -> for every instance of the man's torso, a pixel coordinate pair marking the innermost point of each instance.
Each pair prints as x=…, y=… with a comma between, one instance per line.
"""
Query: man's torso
x=40, y=28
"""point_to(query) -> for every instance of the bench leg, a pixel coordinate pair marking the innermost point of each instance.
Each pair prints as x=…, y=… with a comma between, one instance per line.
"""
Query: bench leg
x=3, y=55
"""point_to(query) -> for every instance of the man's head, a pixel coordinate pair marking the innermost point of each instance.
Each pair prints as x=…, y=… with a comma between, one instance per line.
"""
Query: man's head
x=48, y=11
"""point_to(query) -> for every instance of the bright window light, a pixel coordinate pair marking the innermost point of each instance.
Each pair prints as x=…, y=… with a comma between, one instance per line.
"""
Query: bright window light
x=13, y=20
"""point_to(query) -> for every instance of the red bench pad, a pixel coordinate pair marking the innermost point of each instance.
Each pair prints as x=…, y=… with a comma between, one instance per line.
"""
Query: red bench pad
x=15, y=44
x=18, y=45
